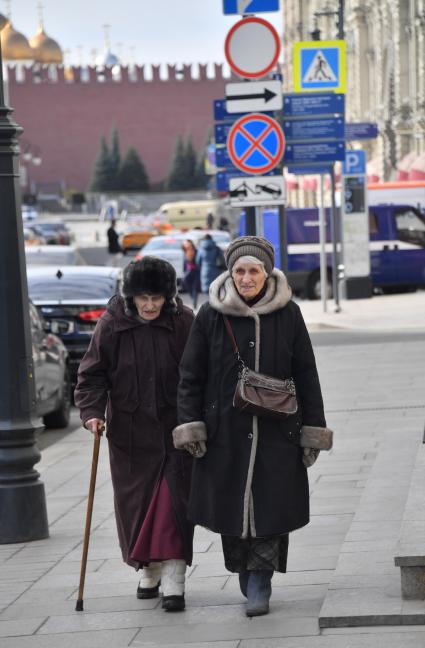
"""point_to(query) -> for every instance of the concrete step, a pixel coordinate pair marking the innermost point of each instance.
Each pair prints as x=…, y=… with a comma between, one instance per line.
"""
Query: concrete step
x=365, y=587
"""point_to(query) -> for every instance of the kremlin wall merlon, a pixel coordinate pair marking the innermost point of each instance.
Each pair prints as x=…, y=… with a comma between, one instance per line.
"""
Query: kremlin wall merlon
x=65, y=112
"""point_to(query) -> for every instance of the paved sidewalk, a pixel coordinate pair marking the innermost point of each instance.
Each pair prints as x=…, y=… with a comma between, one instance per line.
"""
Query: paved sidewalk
x=371, y=392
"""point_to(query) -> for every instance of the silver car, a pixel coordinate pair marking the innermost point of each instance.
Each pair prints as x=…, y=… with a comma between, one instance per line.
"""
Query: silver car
x=170, y=249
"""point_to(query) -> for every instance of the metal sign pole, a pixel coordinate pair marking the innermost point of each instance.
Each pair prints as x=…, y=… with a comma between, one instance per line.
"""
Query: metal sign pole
x=250, y=224
x=335, y=262
x=283, y=240
x=322, y=235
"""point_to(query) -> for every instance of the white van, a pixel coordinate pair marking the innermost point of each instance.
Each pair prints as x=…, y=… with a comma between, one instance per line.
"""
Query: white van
x=187, y=214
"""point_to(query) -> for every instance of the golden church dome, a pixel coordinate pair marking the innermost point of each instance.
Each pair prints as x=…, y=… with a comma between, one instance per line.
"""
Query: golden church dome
x=3, y=21
x=15, y=45
x=45, y=49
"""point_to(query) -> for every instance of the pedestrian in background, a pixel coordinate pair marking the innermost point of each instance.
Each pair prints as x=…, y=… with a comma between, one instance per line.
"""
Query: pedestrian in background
x=210, y=260
x=114, y=247
x=191, y=271
x=210, y=220
x=249, y=481
x=131, y=370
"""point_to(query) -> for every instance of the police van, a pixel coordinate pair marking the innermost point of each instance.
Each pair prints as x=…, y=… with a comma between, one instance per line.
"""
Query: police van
x=396, y=244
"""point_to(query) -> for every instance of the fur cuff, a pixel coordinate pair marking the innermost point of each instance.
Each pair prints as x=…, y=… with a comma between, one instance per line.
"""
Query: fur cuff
x=316, y=437
x=189, y=433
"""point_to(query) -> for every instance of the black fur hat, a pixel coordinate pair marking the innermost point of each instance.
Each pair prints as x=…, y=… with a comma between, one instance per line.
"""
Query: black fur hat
x=150, y=275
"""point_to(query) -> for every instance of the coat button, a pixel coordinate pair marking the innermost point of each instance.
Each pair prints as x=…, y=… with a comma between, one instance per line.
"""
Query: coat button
x=250, y=435
x=251, y=344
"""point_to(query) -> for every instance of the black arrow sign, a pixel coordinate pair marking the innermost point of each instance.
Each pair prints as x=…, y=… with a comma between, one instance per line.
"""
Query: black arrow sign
x=266, y=95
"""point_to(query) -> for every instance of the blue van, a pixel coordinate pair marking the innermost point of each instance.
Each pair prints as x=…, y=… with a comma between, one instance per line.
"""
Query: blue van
x=397, y=247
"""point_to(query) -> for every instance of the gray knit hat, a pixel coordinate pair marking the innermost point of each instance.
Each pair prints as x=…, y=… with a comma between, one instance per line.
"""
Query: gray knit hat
x=255, y=246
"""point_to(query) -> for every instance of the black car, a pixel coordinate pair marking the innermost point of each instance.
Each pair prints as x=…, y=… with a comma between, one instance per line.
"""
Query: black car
x=54, y=233
x=51, y=373
x=73, y=297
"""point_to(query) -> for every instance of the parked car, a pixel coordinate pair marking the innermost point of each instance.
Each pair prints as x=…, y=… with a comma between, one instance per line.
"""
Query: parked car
x=31, y=238
x=57, y=255
x=51, y=372
x=73, y=297
x=54, y=232
x=170, y=249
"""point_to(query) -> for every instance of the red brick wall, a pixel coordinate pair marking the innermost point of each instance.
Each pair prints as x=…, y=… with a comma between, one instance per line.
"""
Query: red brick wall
x=67, y=120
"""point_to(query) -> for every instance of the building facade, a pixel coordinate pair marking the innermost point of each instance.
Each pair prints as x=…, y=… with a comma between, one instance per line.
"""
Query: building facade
x=385, y=72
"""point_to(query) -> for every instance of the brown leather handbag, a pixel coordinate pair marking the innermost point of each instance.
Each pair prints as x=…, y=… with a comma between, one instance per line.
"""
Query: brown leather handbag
x=259, y=394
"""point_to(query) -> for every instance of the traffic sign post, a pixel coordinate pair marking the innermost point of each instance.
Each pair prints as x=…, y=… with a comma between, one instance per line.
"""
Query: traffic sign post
x=253, y=97
x=319, y=65
x=355, y=226
x=244, y=59
x=246, y=7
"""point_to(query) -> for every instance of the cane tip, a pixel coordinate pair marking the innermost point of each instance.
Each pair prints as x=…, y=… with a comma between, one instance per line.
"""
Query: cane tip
x=79, y=605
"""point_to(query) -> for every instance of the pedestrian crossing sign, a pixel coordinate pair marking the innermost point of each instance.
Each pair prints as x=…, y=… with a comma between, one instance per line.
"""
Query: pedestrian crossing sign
x=319, y=65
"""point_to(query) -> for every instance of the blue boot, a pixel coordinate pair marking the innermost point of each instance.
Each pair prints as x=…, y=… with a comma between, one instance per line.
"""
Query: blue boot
x=259, y=592
x=243, y=581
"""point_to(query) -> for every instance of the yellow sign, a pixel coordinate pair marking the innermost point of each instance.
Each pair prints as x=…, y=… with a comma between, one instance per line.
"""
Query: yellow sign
x=320, y=66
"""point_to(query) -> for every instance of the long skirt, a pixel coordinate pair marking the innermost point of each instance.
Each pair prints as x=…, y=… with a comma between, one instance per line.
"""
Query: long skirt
x=242, y=554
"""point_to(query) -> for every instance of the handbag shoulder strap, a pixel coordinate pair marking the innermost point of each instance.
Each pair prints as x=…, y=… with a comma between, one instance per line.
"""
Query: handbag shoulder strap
x=233, y=341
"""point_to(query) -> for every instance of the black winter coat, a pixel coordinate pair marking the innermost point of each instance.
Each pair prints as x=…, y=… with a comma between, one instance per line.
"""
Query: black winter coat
x=131, y=370
x=252, y=480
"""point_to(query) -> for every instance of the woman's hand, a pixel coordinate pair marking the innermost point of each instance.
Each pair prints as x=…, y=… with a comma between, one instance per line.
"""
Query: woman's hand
x=96, y=426
x=197, y=449
x=310, y=456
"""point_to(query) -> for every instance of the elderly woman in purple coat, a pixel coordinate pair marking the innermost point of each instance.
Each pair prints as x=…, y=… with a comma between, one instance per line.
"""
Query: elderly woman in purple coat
x=128, y=379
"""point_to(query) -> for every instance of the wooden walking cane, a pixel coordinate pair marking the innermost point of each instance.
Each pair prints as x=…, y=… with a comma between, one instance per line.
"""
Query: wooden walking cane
x=79, y=605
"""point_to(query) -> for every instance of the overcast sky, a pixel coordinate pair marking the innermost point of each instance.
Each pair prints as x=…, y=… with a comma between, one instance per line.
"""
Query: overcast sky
x=160, y=31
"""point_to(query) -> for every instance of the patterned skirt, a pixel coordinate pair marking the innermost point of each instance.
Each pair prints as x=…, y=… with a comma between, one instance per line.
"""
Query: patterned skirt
x=241, y=554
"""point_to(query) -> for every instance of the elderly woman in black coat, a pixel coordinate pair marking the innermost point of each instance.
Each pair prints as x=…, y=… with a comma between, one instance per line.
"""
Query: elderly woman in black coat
x=129, y=379
x=249, y=481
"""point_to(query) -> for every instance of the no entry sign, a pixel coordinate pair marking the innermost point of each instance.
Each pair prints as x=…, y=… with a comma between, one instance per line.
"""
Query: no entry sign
x=256, y=143
x=252, y=47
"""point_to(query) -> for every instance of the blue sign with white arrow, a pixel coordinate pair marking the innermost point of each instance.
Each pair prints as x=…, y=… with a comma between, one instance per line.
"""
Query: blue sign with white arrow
x=314, y=129
x=306, y=153
x=311, y=105
x=245, y=7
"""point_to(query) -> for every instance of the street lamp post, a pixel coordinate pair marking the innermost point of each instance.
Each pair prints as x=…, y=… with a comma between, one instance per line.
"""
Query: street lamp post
x=23, y=515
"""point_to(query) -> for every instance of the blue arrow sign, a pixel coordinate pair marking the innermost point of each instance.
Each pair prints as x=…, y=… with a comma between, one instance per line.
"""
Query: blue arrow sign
x=221, y=114
x=314, y=129
x=360, y=130
x=310, y=152
x=222, y=177
x=310, y=105
x=231, y=7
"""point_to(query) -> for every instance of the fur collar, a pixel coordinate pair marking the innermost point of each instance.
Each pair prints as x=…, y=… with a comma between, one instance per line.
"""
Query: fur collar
x=225, y=298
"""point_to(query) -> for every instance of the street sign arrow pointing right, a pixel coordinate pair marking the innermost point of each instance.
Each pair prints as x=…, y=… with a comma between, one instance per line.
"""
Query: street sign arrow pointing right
x=254, y=97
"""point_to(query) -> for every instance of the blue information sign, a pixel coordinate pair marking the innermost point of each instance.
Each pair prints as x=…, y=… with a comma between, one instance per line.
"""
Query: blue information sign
x=222, y=177
x=306, y=153
x=221, y=132
x=221, y=114
x=310, y=105
x=354, y=163
x=360, y=130
x=249, y=6
x=222, y=158
x=314, y=129
x=319, y=169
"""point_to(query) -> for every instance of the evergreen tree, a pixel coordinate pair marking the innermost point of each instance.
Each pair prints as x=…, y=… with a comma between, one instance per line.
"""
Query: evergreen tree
x=177, y=175
x=115, y=157
x=132, y=174
x=103, y=176
x=201, y=176
x=190, y=165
